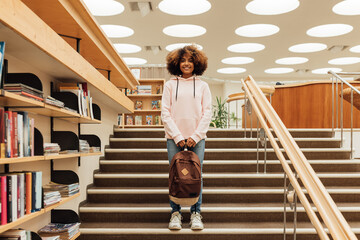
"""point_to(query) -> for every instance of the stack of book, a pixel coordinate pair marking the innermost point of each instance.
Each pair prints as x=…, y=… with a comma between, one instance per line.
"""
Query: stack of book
x=57, y=237
x=144, y=89
x=52, y=101
x=21, y=194
x=51, y=148
x=66, y=190
x=64, y=231
x=84, y=146
x=51, y=197
x=24, y=90
x=18, y=234
x=94, y=149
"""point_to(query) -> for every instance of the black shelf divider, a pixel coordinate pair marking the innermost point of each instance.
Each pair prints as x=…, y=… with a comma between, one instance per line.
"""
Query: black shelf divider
x=39, y=143
x=35, y=236
x=70, y=99
x=28, y=79
x=96, y=111
x=93, y=140
x=64, y=216
x=66, y=139
x=64, y=177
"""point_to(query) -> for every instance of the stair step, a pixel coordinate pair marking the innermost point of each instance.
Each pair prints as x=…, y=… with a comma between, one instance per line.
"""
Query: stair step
x=222, y=143
x=225, y=154
x=219, y=179
x=210, y=195
x=220, y=133
x=145, y=166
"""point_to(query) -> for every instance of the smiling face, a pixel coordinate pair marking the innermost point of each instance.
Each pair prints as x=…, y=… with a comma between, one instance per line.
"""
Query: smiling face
x=187, y=65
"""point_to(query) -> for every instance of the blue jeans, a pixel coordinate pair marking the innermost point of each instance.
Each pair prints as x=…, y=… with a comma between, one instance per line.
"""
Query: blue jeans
x=199, y=149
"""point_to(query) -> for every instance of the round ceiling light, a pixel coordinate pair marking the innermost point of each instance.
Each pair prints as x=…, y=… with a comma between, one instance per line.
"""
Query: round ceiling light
x=237, y=60
x=344, y=61
x=307, y=47
x=273, y=7
x=329, y=30
x=279, y=70
x=355, y=49
x=246, y=47
x=291, y=60
x=134, y=61
x=231, y=70
x=348, y=7
x=184, y=30
x=117, y=31
x=104, y=7
x=325, y=70
x=257, y=30
x=127, y=48
x=174, y=46
x=184, y=7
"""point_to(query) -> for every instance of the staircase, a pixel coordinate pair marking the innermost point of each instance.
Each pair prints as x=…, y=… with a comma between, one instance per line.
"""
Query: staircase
x=129, y=198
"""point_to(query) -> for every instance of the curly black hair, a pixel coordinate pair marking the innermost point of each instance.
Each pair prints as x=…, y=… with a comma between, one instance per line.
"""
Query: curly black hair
x=173, y=60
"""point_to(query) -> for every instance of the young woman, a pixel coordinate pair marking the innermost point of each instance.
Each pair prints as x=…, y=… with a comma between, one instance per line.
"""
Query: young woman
x=186, y=115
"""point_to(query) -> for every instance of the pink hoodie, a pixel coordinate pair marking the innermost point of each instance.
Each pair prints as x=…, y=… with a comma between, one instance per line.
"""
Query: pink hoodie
x=187, y=116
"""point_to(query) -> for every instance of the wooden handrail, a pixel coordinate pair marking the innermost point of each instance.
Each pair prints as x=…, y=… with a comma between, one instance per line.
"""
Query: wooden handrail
x=334, y=220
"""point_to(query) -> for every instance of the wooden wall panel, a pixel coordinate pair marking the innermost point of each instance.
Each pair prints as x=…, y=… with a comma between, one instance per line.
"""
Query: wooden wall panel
x=310, y=106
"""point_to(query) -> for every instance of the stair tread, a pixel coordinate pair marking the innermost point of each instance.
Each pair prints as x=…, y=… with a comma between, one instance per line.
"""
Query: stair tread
x=254, y=139
x=138, y=150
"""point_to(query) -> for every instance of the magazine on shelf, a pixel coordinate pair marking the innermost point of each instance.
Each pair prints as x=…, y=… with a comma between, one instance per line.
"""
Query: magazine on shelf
x=22, y=89
x=144, y=89
x=129, y=120
x=138, y=120
x=138, y=105
x=149, y=119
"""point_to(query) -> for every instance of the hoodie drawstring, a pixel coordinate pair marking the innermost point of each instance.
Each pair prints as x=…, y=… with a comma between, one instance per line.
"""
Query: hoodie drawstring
x=177, y=87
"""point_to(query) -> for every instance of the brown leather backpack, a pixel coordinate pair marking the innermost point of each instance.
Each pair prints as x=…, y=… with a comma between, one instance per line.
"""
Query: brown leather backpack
x=185, y=178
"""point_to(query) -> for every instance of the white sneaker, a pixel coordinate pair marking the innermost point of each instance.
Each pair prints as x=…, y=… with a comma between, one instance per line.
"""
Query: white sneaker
x=196, y=222
x=175, y=221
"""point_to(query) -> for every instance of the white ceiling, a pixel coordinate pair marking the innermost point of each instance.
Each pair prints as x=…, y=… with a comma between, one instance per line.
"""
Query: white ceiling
x=227, y=15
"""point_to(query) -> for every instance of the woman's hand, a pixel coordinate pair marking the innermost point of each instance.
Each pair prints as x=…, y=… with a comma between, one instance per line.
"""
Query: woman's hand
x=190, y=142
x=181, y=143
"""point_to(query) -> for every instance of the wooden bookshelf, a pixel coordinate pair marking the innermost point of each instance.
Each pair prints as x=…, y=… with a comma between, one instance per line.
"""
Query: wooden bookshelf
x=146, y=100
x=30, y=216
x=90, y=154
x=28, y=37
x=21, y=159
x=46, y=157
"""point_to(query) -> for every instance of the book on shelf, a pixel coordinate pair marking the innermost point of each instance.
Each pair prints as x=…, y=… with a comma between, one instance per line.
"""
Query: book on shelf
x=149, y=119
x=129, y=120
x=51, y=197
x=128, y=91
x=51, y=149
x=144, y=89
x=57, y=237
x=2, y=55
x=20, y=195
x=120, y=120
x=138, y=105
x=159, y=89
x=84, y=146
x=65, y=231
x=156, y=105
x=138, y=120
x=24, y=90
x=54, y=102
x=157, y=120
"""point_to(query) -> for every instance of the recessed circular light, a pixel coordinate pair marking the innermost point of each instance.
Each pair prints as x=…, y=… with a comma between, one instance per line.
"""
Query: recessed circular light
x=127, y=48
x=117, y=31
x=181, y=45
x=246, y=47
x=237, y=60
x=355, y=49
x=184, y=30
x=348, y=7
x=134, y=61
x=325, y=70
x=329, y=30
x=257, y=30
x=279, y=70
x=104, y=7
x=184, y=7
x=273, y=7
x=307, y=47
x=231, y=70
x=291, y=60
x=344, y=60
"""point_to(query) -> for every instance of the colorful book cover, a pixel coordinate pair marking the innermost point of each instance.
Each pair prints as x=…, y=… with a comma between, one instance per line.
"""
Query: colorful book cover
x=149, y=119
x=138, y=105
x=138, y=120
x=2, y=54
x=157, y=120
x=129, y=120
x=4, y=196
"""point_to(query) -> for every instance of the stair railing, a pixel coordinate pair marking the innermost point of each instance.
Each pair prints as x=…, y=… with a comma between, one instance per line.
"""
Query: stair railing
x=330, y=214
x=336, y=77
